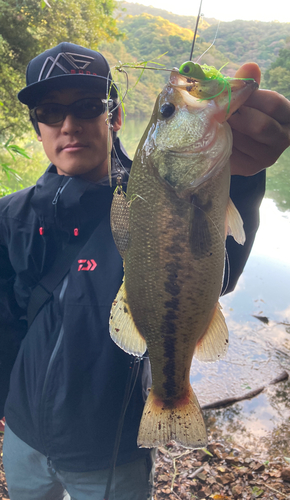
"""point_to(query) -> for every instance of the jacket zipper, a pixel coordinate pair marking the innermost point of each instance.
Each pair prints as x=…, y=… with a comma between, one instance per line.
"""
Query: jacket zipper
x=59, y=191
x=48, y=371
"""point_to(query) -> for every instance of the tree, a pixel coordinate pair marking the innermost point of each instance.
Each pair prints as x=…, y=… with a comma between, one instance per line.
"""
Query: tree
x=278, y=75
x=27, y=29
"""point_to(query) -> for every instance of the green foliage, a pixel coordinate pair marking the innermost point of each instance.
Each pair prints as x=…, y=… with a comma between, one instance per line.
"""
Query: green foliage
x=146, y=38
x=25, y=167
x=28, y=29
x=278, y=182
x=244, y=41
x=142, y=95
x=8, y=154
x=257, y=491
x=278, y=75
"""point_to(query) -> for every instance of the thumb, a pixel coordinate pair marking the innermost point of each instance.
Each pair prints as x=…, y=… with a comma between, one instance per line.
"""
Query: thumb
x=249, y=70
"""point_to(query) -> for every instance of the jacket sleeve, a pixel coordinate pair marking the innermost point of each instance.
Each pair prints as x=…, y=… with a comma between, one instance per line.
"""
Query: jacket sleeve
x=247, y=194
x=12, y=328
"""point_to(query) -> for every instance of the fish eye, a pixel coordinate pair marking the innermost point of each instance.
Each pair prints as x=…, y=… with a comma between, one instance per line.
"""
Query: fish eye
x=167, y=109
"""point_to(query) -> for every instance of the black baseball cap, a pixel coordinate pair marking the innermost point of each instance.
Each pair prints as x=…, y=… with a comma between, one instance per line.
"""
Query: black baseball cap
x=66, y=66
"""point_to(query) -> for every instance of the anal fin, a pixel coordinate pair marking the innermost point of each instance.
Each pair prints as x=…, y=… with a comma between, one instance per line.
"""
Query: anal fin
x=182, y=423
x=214, y=343
x=235, y=223
x=122, y=327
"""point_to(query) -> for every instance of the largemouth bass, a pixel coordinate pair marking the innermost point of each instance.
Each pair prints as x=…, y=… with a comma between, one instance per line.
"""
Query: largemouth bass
x=179, y=214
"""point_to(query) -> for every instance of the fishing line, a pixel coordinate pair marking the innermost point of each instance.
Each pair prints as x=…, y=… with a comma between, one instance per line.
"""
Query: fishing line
x=195, y=31
x=132, y=376
x=211, y=44
x=148, y=67
x=110, y=115
x=227, y=273
x=120, y=162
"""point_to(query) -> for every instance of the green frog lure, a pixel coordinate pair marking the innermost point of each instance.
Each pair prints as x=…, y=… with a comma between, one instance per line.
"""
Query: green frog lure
x=200, y=81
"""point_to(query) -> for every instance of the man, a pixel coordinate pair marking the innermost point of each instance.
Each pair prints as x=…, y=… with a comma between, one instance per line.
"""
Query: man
x=66, y=396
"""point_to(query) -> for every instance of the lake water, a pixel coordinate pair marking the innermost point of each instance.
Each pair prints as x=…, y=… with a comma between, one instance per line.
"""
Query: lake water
x=258, y=351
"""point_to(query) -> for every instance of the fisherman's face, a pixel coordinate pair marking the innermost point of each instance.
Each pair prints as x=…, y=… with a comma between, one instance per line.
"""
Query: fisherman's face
x=77, y=146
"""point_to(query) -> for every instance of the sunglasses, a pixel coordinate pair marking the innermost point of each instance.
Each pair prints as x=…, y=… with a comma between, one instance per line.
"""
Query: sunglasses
x=85, y=109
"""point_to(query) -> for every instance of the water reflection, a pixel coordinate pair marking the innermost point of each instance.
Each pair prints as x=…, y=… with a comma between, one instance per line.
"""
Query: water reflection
x=258, y=351
x=131, y=133
x=260, y=425
x=278, y=182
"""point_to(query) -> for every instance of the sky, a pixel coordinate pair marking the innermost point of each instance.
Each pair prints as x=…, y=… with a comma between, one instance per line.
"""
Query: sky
x=225, y=10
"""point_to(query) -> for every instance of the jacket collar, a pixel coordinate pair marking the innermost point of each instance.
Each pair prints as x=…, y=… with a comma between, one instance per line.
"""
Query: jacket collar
x=70, y=202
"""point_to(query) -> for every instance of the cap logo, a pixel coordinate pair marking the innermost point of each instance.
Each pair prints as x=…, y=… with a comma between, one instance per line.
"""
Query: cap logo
x=76, y=62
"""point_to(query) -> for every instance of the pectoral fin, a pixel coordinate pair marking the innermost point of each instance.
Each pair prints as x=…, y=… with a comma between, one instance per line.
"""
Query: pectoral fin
x=122, y=327
x=235, y=223
x=214, y=343
x=120, y=220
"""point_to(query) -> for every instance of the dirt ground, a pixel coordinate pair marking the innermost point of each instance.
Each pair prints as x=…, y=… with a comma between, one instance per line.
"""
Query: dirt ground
x=221, y=473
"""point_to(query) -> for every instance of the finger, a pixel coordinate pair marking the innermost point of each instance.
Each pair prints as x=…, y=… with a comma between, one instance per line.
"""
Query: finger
x=243, y=164
x=262, y=154
x=260, y=127
x=271, y=103
x=249, y=70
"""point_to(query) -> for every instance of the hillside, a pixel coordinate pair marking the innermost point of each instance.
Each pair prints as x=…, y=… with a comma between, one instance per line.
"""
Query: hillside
x=239, y=41
x=136, y=9
x=153, y=34
x=154, y=39
x=243, y=41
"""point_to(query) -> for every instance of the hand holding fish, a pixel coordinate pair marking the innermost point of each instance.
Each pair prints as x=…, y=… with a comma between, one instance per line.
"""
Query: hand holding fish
x=261, y=128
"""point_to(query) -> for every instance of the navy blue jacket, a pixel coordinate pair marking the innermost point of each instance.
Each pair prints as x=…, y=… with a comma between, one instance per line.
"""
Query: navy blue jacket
x=69, y=377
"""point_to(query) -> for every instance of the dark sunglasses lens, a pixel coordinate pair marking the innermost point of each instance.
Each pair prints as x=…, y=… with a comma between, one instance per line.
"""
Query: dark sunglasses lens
x=88, y=108
x=54, y=113
x=50, y=113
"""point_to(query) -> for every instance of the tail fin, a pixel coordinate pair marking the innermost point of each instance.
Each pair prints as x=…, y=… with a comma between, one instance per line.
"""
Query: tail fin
x=183, y=423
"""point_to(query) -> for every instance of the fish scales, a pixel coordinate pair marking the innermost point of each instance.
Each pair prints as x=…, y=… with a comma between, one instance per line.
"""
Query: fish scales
x=179, y=210
x=181, y=286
